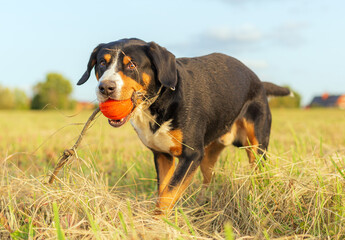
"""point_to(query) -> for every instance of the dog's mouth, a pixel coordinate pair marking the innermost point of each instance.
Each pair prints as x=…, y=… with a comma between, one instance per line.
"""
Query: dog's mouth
x=122, y=121
x=118, y=123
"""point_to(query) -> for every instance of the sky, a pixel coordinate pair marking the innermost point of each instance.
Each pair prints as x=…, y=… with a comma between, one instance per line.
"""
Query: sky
x=300, y=43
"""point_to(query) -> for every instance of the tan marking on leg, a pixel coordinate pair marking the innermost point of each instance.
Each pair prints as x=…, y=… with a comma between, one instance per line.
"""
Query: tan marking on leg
x=212, y=153
x=166, y=168
x=244, y=132
x=229, y=137
x=177, y=138
x=251, y=141
x=169, y=196
x=107, y=57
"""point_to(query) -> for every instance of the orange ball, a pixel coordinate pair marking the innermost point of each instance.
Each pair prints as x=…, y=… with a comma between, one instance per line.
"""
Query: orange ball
x=116, y=109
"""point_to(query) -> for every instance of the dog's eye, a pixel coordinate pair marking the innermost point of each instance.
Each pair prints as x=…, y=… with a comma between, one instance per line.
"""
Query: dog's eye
x=131, y=65
x=102, y=63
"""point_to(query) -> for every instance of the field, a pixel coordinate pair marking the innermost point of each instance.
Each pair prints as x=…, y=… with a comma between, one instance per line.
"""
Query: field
x=109, y=192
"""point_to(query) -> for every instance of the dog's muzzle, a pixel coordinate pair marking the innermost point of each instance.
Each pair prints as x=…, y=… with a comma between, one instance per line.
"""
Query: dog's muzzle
x=107, y=87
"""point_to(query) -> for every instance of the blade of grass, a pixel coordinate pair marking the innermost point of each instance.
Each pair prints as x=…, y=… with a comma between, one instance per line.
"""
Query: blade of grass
x=229, y=234
x=31, y=230
x=187, y=222
x=338, y=169
x=94, y=225
x=60, y=234
x=175, y=226
x=130, y=214
x=123, y=223
x=267, y=236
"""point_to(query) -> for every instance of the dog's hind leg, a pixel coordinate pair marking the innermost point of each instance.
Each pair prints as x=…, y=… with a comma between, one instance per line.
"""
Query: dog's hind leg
x=243, y=134
x=250, y=142
x=263, y=131
x=257, y=126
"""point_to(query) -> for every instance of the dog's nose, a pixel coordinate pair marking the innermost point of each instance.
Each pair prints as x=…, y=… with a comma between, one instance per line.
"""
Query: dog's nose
x=107, y=87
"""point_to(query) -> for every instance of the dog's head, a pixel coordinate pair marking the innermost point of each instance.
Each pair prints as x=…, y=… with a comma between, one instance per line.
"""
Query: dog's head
x=129, y=66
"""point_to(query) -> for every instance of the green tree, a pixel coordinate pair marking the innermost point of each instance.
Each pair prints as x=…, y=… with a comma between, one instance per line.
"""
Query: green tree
x=53, y=93
x=286, y=102
x=6, y=98
x=21, y=100
x=13, y=99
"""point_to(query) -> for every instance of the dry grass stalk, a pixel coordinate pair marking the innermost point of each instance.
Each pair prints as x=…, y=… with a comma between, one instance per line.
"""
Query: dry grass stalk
x=69, y=153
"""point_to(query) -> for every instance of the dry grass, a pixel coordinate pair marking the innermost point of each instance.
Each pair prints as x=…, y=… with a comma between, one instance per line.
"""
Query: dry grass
x=109, y=192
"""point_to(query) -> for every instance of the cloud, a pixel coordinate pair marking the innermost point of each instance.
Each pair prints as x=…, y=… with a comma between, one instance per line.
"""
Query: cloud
x=239, y=39
x=244, y=34
x=242, y=39
x=221, y=39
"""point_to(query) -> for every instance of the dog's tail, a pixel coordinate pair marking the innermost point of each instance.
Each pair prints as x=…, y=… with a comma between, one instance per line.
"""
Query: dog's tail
x=275, y=90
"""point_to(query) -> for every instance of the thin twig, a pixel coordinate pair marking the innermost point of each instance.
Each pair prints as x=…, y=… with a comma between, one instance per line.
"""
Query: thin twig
x=68, y=153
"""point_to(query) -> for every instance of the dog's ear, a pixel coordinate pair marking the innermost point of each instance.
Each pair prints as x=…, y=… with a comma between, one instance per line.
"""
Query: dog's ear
x=165, y=64
x=90, y=65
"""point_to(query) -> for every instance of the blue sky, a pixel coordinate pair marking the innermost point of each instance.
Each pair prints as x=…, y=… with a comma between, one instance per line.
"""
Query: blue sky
x=300, y=43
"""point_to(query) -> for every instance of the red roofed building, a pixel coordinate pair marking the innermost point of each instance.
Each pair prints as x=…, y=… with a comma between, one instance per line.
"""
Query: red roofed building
x=327, y=100
x=85, y=106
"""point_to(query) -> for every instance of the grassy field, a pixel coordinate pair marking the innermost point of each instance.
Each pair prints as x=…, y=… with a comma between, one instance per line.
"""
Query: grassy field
x=109, y=192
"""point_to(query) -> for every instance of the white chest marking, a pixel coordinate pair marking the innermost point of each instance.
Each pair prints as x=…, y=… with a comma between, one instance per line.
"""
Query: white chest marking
x=161, y=140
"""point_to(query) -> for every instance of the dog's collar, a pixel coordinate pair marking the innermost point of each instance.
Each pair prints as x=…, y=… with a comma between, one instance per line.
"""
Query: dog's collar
x=149, y=101
x=153, y=99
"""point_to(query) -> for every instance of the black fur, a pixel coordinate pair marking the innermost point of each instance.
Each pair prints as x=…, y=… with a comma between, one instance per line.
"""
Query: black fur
x=90, y=65
x=165, y=64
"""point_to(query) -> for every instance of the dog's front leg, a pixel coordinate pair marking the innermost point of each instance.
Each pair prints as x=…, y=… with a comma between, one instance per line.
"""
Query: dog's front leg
x=170, y=190
x=165, y=167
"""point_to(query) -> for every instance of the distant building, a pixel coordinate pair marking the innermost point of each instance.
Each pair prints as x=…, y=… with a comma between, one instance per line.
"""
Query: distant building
x=327, y=100
x=85, y=106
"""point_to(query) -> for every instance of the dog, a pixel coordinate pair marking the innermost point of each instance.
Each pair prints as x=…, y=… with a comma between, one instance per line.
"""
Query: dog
x=185, y=108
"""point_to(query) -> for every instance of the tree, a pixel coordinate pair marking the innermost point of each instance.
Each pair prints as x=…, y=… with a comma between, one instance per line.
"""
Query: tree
x=7, y=100
x=286, y=102
x=53, y=93
x=13, y=99
x=21, y=100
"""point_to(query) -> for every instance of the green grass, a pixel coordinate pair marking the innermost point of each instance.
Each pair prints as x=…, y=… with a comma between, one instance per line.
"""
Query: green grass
x=109, y=192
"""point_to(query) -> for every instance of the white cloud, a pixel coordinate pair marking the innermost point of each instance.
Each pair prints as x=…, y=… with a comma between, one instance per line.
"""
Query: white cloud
x=242, y=39
x=243, y=34
x=221, y=39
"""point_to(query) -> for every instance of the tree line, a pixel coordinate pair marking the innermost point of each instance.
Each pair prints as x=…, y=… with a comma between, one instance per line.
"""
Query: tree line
x=55, y=93
x=286, y=102
x=52, y=93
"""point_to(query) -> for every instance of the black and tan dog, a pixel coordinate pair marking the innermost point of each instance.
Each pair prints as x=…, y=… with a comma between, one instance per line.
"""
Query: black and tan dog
x=188, y=108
